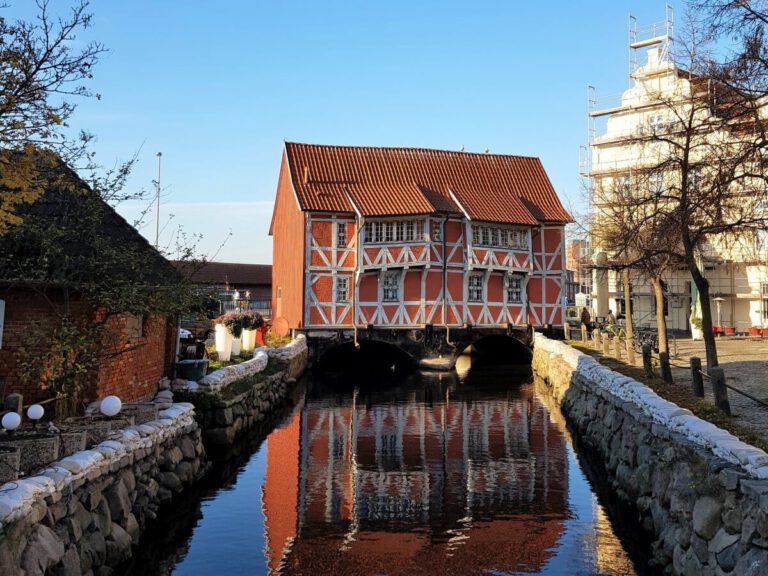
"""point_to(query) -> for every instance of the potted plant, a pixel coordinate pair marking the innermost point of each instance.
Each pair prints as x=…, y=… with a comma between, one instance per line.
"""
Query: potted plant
x=764, y=332
x=696, y=328
x=251, y=322
x=754, y=330
x=234, y=324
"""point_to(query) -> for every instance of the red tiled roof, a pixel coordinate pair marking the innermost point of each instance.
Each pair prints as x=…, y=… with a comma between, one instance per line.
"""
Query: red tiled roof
x=399, y=181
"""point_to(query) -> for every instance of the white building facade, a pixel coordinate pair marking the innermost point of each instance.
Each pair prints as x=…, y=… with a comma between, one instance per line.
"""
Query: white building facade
x=619, y=146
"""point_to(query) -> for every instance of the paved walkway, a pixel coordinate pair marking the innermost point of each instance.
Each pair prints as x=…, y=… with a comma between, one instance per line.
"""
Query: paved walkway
x=745, y=363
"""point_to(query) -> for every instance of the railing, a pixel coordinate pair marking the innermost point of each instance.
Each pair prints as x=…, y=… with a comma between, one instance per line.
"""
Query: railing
x=263, y=307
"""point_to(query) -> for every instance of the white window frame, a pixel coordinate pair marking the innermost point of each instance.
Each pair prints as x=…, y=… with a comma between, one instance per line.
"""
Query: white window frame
x=391, y=281
x=341, y=235
x=341, y=287
x=655, y=123
x=476, y=290
x=508, y=289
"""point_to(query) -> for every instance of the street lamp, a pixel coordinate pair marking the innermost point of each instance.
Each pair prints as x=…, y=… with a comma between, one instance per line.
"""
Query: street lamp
x=158, y=155
x=719, y=301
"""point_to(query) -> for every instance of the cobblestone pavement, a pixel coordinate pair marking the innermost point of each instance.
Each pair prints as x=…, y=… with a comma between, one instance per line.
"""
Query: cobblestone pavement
x=745, y=363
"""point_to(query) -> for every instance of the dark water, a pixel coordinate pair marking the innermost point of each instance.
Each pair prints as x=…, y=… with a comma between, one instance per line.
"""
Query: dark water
x=472, y=475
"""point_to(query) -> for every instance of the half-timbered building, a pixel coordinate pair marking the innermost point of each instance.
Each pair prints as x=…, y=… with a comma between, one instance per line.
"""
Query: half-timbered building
x=408, y=237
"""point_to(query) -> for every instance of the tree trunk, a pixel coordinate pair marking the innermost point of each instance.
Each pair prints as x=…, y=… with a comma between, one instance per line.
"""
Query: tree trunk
x=627, y=303
x=661, y=321
x=706, y=321
x=702, y=285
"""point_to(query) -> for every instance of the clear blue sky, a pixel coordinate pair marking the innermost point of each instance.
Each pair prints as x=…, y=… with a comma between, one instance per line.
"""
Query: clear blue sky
x=218, y=86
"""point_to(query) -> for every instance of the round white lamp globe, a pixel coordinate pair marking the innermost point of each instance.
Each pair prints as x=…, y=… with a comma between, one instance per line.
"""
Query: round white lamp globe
x=35, y=412
x=11, y=421
x=110, y=406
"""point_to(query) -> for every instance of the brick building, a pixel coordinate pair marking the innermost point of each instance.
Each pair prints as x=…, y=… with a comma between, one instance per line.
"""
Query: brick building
x=41, y=284
x=407, y=237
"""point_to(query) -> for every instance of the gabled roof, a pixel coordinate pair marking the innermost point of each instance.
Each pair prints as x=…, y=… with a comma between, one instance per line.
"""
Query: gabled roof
x=411, y=181
x=63, y=230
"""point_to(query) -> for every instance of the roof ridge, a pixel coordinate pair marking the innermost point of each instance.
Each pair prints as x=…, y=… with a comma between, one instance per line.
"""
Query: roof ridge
x=415, y=148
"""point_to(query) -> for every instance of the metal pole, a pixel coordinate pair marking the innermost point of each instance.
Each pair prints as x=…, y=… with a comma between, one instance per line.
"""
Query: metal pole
x=157, y=194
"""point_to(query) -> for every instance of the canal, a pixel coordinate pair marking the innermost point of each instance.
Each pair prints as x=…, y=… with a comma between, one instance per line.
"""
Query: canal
x=468, y=474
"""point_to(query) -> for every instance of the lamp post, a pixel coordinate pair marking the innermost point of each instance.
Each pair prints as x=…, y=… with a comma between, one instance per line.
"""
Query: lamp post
x=719, y=301
x=157, y=194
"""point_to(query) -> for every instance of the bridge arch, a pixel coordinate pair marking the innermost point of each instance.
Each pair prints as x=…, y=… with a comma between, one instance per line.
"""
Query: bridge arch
x=501, y=349
x=374, y=357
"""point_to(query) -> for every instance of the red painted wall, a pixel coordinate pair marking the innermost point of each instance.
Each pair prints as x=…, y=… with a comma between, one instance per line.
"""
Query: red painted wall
x=287, y=253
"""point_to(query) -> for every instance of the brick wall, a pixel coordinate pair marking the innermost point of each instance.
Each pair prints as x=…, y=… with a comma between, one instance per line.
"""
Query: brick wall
x=138, y=359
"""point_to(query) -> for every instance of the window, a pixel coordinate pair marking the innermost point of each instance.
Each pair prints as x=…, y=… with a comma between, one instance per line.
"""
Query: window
x=622, y=185
x=389, y=231
x=475, y=287
x=342, y=289
x=390, y=287
x=409, y=230
x=399, y=231
x=656, y=182
x=655, y=123
x=437, y=232
x=514, y=289
x=394, y=231
x=341, y=234
x=694, y=179
x=498, y=237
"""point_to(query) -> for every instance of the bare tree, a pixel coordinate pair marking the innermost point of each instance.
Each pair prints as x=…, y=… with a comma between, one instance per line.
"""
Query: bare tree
x=709, y=150
x=634, y=233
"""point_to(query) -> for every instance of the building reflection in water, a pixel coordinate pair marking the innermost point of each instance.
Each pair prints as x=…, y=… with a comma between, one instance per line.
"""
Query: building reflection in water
x=437, y=477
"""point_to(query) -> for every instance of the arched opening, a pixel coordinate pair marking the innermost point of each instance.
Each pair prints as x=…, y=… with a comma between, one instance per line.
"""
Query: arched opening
x=496, y=354
x=372, y=361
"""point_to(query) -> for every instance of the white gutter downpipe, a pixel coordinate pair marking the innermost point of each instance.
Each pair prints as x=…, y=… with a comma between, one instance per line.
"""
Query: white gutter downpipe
x=359, y=225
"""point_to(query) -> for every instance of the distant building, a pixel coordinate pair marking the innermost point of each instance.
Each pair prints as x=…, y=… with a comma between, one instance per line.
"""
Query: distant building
x=620, y=155
x=238, y=285
x=577, y=260
x=408, y=237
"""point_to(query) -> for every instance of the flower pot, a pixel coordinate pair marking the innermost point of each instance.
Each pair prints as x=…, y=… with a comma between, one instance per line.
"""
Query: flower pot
x=71, y=442
x=36, y=449
x=695, y=332
x=765, y=332
x=99, y=428
x=730, y=331
x=9, y=463
x=223, y=343
x=235, y=346
x=754, y=331
x=193, y=369
x=142, y=411
x=249, y=340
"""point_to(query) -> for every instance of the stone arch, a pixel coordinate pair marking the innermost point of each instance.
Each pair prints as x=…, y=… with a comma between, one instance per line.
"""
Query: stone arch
x=370, y=356
x=501, y=349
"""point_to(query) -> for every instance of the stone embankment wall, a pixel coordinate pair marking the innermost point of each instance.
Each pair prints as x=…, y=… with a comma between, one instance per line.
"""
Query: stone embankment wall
x=699, y=491
x=84, y=514
x=224, y=410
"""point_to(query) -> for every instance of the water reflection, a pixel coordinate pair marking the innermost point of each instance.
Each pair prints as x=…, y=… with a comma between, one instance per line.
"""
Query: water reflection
x=474, y=474
x=435, y=476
